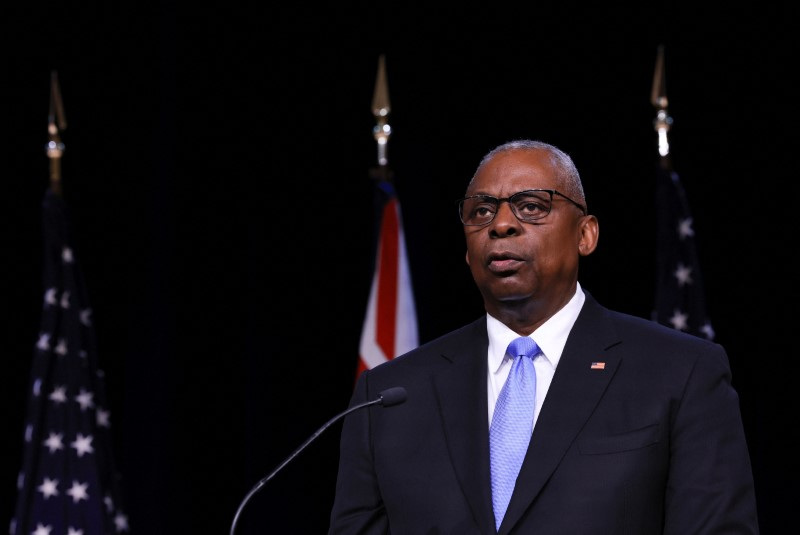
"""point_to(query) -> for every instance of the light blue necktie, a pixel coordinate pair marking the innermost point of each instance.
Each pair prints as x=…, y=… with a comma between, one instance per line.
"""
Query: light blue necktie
x=512, y=424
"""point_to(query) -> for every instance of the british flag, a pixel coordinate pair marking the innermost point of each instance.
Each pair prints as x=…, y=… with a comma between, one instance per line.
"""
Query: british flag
x=390, y=323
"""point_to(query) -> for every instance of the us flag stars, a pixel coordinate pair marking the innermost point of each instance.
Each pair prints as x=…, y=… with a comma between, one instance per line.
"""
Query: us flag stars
x=68, y=484
x=683, y=274
x=54, y=442
x=685, y=229
x=83, y=445
x=78, y=491
x=49, y=487
x=680, y=299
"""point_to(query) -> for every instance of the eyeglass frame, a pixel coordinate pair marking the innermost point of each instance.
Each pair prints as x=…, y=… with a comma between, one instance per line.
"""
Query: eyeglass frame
x=552, y=192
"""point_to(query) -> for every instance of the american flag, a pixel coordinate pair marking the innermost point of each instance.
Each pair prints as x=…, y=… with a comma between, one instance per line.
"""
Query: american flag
x=680, y=298
x=390, y=323
x=68, y=484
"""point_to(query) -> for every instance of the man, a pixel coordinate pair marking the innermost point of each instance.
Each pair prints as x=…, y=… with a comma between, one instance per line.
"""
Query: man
x=636, y=428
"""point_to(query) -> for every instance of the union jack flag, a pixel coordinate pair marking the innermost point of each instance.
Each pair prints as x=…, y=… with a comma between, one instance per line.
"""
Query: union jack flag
x=390, y=323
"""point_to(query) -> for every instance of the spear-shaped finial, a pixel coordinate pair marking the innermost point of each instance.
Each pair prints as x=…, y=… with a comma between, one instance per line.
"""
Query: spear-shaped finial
x=56, y=122
x=658, y=98
x=380, y=109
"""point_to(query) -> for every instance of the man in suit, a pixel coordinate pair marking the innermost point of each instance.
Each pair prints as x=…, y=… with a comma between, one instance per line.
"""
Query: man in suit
x=635, y=427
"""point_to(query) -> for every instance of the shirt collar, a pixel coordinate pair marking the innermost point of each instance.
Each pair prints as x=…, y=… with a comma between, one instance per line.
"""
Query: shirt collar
x=551, y=336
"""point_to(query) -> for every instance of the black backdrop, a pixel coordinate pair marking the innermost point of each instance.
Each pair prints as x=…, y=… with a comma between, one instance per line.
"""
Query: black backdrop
x=217, y=171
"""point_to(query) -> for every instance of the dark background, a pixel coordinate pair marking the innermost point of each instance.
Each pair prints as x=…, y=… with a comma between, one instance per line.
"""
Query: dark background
x=217, y=169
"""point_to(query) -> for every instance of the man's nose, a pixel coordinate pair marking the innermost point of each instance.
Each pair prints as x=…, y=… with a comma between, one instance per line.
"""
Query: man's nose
x=505, y=219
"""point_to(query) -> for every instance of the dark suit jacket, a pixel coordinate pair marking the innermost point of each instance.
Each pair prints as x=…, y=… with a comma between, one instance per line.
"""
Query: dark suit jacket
x=651, y=444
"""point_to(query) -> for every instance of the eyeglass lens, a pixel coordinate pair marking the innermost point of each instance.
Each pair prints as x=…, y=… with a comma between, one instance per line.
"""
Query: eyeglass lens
x=526, y=205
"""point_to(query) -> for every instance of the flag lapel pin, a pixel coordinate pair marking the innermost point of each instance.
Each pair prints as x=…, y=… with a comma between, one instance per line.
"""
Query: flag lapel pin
x=598, y=366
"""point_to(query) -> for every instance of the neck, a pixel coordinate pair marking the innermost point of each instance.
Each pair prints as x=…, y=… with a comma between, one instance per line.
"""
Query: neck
x=524, y=316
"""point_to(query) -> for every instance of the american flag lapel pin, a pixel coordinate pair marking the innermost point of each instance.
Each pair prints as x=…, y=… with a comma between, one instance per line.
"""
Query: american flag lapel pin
x=598, y=366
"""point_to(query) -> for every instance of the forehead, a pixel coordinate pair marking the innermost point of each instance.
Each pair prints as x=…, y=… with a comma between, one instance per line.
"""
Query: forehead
x=513, y=171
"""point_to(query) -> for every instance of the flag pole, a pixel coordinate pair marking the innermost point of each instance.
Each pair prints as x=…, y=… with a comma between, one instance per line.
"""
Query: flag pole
x=390, y=321
x=56, y=122
x=55, y=492
x=382, y=130
x=658, y=98
x=680, y=299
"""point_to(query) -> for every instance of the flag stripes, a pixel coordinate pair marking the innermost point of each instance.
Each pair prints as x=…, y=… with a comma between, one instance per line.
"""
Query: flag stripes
x=390, y=322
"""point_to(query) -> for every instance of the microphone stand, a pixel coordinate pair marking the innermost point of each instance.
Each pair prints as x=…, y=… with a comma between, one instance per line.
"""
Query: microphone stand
x=388, y=397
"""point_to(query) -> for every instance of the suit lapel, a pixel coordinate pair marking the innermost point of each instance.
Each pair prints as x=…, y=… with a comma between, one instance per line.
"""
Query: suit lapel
x=573, y=394
x=465, y=419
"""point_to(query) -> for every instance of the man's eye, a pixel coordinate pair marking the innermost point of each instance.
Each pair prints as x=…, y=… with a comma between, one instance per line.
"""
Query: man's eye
x=529, y=207
x=484, y=210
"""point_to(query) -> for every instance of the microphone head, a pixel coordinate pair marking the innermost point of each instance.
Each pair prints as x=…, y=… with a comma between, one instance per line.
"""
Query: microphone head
x=393, y=396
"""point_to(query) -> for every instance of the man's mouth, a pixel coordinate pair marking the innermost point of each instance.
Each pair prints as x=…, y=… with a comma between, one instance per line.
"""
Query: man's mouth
x=504, y=262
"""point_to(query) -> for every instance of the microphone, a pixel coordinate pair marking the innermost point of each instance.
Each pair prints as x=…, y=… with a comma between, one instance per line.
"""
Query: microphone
x=387, y=398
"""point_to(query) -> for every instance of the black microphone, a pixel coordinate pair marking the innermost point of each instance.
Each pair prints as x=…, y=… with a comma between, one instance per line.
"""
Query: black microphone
x=387, y=398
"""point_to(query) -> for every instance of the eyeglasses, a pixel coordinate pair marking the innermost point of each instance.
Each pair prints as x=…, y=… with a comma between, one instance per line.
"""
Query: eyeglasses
x=528, y=206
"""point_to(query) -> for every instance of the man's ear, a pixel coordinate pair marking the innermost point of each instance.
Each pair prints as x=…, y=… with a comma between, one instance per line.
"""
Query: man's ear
x=589, y=233
x=466, y=257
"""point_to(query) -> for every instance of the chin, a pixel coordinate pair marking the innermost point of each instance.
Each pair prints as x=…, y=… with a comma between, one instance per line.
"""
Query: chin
x=508, y=293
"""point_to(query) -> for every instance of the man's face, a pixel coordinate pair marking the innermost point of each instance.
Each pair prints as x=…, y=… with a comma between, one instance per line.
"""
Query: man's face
x=515, y=261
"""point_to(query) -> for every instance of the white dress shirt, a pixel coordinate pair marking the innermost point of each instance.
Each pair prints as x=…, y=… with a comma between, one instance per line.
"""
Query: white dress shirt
x=550, y=337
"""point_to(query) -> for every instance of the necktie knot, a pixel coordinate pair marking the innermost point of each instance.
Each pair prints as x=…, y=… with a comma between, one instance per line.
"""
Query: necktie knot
x=523, y=346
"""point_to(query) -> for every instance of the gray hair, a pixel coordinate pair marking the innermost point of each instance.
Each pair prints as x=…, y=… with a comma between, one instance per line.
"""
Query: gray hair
x=565, y=168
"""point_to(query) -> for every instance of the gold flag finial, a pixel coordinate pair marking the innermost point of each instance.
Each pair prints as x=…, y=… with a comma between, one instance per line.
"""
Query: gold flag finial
x=658, y=98
x=380, y=99
x=658, y=95
x=380, y=109
x=56, y=122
